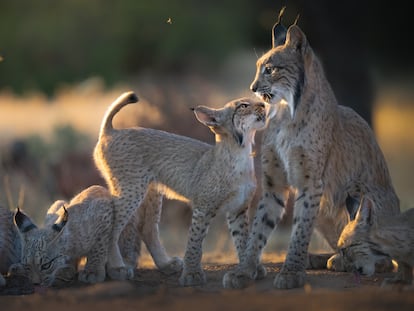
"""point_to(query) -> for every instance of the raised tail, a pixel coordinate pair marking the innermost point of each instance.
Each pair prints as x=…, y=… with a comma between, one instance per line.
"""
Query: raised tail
x=123, y=100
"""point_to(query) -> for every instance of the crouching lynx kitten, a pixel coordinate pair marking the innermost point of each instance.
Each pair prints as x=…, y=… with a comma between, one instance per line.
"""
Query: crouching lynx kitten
x=83, y=228
x=208, y=177
x=318, y=151
x=393, y=236
x=50, y=255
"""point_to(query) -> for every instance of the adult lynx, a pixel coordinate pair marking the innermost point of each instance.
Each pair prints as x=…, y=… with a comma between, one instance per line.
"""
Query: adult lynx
x=208, y=177
x=322, y=152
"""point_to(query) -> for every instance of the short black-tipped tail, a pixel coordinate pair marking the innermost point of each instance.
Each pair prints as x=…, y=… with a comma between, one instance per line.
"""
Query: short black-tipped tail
x=123, y=100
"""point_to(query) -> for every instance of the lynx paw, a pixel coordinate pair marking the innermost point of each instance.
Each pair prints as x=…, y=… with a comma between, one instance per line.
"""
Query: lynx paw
x=193, y=278
x=335, y=263
x=62, y=277
x=173, y=266
x=121, y=273
x=261, y=272
x=91, y=277
x=236, y=279
x=289, y=279
x=318, y=261
x=243, y=278
x=18, y=269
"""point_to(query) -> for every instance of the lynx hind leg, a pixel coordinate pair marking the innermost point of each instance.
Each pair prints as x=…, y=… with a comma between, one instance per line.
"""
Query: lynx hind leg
x=2, y=280
x=125, y=205
x=130, y=243
x=268, y=215
x=149, y=216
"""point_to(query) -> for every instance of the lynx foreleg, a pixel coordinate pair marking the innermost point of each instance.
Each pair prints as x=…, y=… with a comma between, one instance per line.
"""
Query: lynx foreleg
x=268, y=214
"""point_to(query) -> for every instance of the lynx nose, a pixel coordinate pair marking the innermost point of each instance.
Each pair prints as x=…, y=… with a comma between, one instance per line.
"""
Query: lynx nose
x=254, y=87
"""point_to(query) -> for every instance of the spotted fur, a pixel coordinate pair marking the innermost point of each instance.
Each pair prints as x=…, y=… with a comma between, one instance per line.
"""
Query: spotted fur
x=314, y=149
x=87, y=233
x=51, y=254
x=208, y=177
x=10, y=246
x=364, y=238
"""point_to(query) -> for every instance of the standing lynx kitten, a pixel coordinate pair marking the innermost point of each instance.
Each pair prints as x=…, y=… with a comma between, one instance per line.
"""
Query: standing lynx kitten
x=321, y=152
x=393, y=236
x=208, y=177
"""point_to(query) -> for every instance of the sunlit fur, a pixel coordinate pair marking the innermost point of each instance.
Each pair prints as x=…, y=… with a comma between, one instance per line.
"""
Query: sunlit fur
x=314, y=149
x=88, y=233
x=10, y=245
x=208, y=177
x=50, y=255
x=392, y=236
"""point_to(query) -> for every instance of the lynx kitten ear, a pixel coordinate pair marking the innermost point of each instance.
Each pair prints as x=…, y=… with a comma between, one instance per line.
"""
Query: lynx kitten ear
x=352, y=205
x=364, y=214
x=61, y=222
x=23, y=222
x=296, y=38
x=279, y=31
x=207, y=116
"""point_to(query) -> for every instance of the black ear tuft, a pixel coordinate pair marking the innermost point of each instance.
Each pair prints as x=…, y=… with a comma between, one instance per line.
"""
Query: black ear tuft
x=23, y=222
x=61, y=222
x=279, y=31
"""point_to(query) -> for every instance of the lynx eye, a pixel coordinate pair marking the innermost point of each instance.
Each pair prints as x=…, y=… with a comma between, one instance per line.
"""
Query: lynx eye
x=268, y=70
x=46, y=265
x=243, y=106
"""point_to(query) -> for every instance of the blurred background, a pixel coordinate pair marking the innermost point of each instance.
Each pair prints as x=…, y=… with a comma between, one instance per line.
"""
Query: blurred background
x=63, y=62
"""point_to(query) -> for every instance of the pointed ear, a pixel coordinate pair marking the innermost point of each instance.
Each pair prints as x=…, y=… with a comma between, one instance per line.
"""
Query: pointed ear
x=279, y=31
x=207, y=116
x=296, y=39
x=23, y=222
x=352, y=205
x=364, y=214
x=61, y=222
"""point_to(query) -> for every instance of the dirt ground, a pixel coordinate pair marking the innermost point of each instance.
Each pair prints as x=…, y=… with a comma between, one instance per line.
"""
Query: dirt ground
x=151, y=290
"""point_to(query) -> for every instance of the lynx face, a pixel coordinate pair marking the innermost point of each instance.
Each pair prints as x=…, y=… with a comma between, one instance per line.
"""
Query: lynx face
x=280, y=73
x=40, y=263
x=237, y=118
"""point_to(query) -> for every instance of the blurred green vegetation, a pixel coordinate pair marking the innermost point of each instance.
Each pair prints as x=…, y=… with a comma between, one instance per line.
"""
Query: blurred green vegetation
x=46, y=42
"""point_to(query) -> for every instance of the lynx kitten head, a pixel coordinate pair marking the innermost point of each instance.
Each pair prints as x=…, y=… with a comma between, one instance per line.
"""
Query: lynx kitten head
x=238, y=119
x=40, y=261
x=358, y=252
